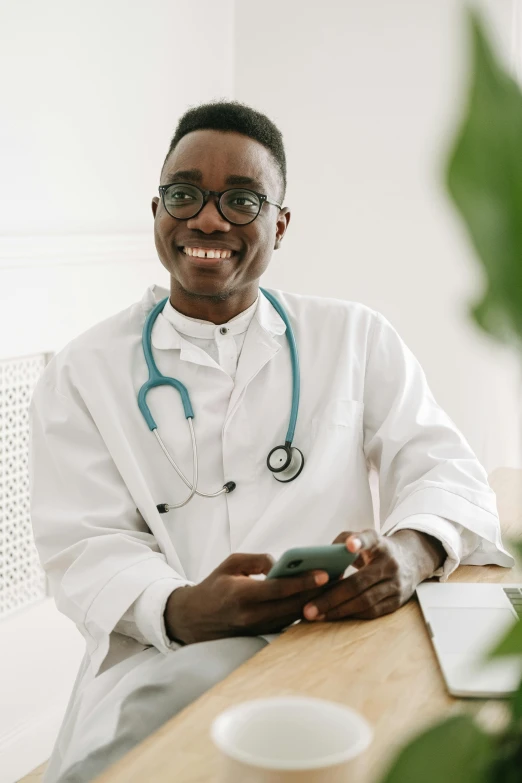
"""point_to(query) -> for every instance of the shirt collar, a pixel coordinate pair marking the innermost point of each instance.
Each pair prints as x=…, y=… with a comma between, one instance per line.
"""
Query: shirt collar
x=165, y=335
x=193, y=327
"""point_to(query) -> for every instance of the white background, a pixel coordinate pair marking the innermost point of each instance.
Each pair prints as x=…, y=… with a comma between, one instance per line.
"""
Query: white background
x=366, y=94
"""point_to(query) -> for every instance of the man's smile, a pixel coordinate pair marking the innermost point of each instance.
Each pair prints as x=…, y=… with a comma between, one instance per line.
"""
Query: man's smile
x=208, y=257
x=205, y=252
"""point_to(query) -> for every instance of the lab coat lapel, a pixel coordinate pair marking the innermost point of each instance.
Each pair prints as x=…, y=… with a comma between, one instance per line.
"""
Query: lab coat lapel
x=164, y=336
x=262, y=342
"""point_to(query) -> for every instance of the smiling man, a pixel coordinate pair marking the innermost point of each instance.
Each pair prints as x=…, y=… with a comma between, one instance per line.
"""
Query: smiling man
x=152, y=552
x=204, y=286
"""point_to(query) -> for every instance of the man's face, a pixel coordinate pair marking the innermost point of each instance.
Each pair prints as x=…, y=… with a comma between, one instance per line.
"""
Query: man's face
x=218, y=155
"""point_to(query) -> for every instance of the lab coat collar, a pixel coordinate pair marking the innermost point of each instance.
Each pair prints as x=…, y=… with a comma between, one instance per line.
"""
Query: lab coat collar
x=268, y=318
x=206, y=330
x=165, y=336
x=259, y=347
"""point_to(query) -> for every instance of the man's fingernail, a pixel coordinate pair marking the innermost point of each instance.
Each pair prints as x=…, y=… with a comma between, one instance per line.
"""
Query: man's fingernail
x=321, y=579
x=354, y=544
x=311, y=612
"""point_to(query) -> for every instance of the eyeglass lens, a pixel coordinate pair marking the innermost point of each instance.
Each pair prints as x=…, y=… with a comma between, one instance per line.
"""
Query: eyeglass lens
x=238, y=205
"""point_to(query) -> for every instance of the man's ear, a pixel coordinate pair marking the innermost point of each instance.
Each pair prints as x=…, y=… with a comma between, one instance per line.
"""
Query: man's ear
x=283, y=220
x=154, y=205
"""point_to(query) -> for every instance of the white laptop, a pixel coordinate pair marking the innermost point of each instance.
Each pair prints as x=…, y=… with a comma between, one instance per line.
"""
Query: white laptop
x=465, y=621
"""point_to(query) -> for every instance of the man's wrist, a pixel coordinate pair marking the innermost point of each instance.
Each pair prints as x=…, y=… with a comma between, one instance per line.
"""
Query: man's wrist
x=425, y=553
x=175, y=613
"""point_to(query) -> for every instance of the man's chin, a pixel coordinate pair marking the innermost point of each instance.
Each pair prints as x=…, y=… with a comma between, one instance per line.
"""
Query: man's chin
x=205, y=290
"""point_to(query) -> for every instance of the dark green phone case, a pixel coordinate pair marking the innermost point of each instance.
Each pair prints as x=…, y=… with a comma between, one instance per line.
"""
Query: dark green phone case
x=333, y=558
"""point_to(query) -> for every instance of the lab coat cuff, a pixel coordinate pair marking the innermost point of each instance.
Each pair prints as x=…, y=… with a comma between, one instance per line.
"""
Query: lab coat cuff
x=441, y=529
x=455, y=508
x=149, y=612
x=115, y=598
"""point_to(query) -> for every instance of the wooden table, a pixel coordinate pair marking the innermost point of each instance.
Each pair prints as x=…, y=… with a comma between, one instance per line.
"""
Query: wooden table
x=386, y=669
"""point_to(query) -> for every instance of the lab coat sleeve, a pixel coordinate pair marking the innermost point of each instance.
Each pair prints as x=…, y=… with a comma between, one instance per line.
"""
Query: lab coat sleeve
x=94, y=546
x=426, y=467
x=145, y=621
x=456, y=540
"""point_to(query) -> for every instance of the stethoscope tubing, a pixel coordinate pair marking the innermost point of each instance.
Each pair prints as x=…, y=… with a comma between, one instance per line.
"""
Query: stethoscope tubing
x=294, y=357
x=156, y=378
x=193, y=486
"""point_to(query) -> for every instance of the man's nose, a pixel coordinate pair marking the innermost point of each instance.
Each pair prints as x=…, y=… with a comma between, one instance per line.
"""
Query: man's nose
x=209, y=219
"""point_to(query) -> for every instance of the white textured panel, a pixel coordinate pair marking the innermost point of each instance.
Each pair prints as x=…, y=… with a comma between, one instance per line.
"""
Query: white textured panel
x=22, y=580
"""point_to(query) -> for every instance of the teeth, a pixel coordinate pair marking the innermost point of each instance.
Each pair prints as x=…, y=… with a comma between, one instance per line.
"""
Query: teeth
x=200, y=252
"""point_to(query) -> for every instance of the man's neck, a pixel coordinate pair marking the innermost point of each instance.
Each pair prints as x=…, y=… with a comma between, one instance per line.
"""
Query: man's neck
x=209, y=308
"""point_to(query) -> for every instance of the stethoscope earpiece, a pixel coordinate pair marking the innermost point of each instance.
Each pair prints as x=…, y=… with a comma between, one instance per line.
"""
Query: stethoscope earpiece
x=230, y=486
x=285, y=462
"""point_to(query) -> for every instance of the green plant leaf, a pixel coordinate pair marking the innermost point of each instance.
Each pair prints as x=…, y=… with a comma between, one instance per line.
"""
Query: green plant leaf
x=507, y=763
x=484, y=178
x=517, y=704
x=455, y=751
x=511, y=644
x=516, y=546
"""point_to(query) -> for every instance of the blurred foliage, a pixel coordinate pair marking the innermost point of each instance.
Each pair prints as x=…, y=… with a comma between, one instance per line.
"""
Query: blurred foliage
x=484, y=178
x=511, y=644
x=454, y=750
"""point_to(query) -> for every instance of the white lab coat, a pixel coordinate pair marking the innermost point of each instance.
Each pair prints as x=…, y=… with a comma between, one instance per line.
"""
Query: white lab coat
x=97, y=472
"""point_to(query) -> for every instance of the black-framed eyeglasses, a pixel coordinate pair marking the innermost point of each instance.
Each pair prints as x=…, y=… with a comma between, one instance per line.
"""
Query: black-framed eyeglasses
x=236, y=205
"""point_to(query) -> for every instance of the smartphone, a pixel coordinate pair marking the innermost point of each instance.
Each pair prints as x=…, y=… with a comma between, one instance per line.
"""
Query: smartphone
x=333, y=558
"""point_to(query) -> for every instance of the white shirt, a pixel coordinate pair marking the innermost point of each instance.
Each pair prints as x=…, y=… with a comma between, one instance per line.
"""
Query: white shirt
x=97, y=473
x=222, y=342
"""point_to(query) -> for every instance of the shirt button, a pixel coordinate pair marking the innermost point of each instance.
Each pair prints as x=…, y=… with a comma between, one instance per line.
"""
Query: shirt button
x=223, y=330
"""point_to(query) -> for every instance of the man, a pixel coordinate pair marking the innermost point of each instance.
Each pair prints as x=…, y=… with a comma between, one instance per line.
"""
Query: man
x=166, y=601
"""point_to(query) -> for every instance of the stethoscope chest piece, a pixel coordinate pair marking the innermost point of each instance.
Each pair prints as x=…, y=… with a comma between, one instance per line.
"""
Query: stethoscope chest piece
x=285, y=462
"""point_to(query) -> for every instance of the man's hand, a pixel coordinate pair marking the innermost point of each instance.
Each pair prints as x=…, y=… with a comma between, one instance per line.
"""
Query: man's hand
x=390, y=568
x=230, y=603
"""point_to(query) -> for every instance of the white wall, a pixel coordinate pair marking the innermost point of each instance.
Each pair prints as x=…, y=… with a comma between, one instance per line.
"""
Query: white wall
x=90, y=97
x=366, y=95
x=91, y=94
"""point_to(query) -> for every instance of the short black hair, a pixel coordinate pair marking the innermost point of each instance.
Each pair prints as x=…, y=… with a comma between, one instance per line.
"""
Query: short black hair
x=235, y=116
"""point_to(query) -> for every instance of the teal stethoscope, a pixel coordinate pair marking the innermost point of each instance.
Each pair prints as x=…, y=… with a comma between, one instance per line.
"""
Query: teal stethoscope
x=286, y=462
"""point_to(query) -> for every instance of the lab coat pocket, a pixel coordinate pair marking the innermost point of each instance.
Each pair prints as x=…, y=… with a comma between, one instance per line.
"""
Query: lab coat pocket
x=336, y=440
x=339, y=412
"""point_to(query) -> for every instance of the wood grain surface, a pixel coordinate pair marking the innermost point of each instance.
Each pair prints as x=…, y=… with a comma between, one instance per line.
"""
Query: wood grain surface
x=386, y=669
